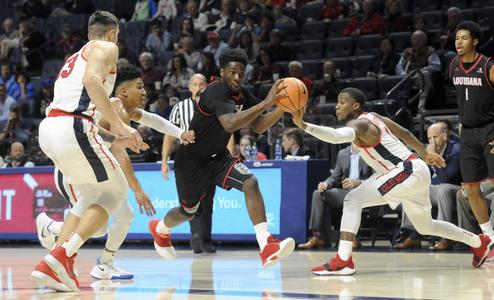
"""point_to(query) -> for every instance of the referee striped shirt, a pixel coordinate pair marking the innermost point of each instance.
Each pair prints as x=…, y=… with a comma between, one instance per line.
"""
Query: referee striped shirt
x=182, y=113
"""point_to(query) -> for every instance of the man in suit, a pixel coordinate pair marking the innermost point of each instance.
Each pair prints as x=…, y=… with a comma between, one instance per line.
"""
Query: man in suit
x=445, y=184
x=293, y=143
x=466, y=218
x=349, y=172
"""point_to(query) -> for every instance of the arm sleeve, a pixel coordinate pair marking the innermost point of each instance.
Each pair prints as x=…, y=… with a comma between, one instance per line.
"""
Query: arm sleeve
x=331, y=135
x=159, y=124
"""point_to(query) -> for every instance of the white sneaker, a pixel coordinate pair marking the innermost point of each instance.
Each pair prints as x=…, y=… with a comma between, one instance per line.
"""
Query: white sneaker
x=109, y=271
x=46, y=238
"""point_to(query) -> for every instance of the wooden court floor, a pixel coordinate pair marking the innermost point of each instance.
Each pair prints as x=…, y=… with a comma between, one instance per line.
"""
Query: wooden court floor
x=237, y=274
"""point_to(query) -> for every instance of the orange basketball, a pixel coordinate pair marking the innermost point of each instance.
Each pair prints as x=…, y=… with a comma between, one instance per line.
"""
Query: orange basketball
x=293, y=95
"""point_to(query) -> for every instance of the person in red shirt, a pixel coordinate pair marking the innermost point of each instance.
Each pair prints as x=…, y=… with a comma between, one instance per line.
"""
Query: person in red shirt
x=332, y=10
x=366, y=23
x=295, y=69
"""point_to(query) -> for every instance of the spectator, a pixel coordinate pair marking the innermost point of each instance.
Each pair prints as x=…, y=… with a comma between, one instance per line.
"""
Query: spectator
x=25, y=92
x=394, y=21
x=260, y=139
x=180, y=73
x=333, y=10
x=216, y=46
x=172, y=94
x=141, y=11
x=158, y=40
x=420, y=23
x=9, y=39
x=295, y=69
x=243, y=11
x=466, y=218
x=125, y=52
x=9, y=31
x=43, y=98
x=29, y=39
x=280, y=18
x=14, y=127
x=266, y=26
x=150, y=73
x=292, y=143
x=33, y=9
x=187, y=30
x=283, y=53
x=247, y=44
x=69, y=42
x=166, y=9
x=445, y=184
x=199, y=19
x=161, y=106
x=419, y=56
x=8, y=79
x=246, y=142
x=207, y=66
x=265, y=71
x=328, y=91
x=349, y=172
x=75, y=7
x=367, y=22
x=186, y=48
x=445, y=41
x=384, y=63
x=224, y=20
x=6, y=103
x=16, y=157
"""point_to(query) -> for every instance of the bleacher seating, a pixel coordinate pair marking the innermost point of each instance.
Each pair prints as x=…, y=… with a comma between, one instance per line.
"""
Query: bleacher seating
x=339, y=47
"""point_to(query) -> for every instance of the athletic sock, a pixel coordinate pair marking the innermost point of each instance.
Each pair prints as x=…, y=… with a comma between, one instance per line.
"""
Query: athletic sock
x=470, y=239
x=161, y=228
x=54, y=227
x=262, y=234
x=73, y=244
x=487, y=228
x=106, y=256
x=345, y=249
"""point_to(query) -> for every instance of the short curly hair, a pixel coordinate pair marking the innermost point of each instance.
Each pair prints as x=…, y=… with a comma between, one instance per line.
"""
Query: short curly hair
x=233, y=55
x=472, y=27
x=127, y=72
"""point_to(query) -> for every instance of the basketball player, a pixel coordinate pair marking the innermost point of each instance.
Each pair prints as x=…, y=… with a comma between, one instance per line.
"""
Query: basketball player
x=129, y=93
x=70, y=139
x=401, y=177
x=223, y=107
x=473, y=76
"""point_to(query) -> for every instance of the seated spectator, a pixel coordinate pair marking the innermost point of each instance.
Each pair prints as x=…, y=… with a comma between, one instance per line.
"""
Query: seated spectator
x=199, y=19
x=444, y=185
x=9, y=39
x=25, y=10
x=419, y=56
x=332, y=10
x=368, y=22
x=246, y=143
x=180, y=73
x=125, y=52
x=29, y=39
x=265, y=71
x=466, y=218
x=280, y=18
x=394, y=21
x=141, y=11
x=224, y=20
x=16, y=157
x=150, y=73
x=73, y=7
x=216, y=46
x=328, y=91
x=266, y=26
x=166, y=9
x=14, y=127
x=161, y=106
x=445, y=40
x=6, y=103
x=187, y=30
x=420, y=23
x=295, y=69
x=208, y=67
x=349, y=172
x=186, y=48
x=43, y=98
x=171, y=93
x=383, y=64
x=9, y=31
x=293, y=143
x=283, y=53
x=25, y=93
x=244, y=8
x=247, y=44
x=260, y=139
x=69, y=42
x=8, y=79
x=158, y=40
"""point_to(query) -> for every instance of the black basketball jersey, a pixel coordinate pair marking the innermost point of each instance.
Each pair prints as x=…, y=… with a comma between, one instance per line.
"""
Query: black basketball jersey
x=215, y=100
x=474, y=91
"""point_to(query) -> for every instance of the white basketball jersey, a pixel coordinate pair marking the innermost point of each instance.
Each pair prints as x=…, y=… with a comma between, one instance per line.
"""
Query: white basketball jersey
x=69, y=93
x=388, y=152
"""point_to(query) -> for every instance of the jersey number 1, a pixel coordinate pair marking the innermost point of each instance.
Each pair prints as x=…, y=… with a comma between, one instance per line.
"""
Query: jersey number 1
x=68, y=67
x=466, y=94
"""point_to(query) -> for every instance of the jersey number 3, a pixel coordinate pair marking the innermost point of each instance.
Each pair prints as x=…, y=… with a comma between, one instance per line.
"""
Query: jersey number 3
x=68, y=67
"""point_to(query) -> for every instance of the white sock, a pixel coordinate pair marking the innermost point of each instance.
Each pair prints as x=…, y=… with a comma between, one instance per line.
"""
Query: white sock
x=262, y=234
x=345, y=249
x=106, y=256
x=54, y=227
x=470, y=239
x=487, y=228
x=73, y=244
x=161, y=228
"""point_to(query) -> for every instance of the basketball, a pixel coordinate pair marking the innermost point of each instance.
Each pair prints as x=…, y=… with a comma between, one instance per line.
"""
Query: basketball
x=293, y=95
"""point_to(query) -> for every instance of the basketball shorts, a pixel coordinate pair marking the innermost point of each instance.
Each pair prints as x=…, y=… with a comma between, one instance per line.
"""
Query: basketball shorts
x=194, y=177
x=476, y=161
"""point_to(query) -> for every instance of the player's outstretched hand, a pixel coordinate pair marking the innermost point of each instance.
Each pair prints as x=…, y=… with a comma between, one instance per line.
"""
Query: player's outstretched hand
x=298, y=118
x=492, y=144
x=165, y=168
x=435, y=160
x=145, y=204
x=188, y=137
x=273, y=93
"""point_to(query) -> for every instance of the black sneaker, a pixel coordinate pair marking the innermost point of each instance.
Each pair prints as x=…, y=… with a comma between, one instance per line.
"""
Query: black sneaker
x=196, y=243
x=208, y=247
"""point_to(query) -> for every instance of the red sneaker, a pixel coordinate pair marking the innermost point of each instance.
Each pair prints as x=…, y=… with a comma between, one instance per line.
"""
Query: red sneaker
x=43, y=275
x=482, y=253
x=162, y=242
x=335, y=266
x=63, y=267
x=276, y=250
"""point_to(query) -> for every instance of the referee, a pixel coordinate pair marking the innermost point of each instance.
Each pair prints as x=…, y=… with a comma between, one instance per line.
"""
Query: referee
x=181, y=115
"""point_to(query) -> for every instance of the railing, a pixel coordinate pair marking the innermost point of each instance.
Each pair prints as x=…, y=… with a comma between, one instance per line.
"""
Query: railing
x=411, y=101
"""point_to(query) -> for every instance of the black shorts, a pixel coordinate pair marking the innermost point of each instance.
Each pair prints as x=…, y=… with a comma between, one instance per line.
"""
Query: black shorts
x=476, y=161
x=194, y=177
